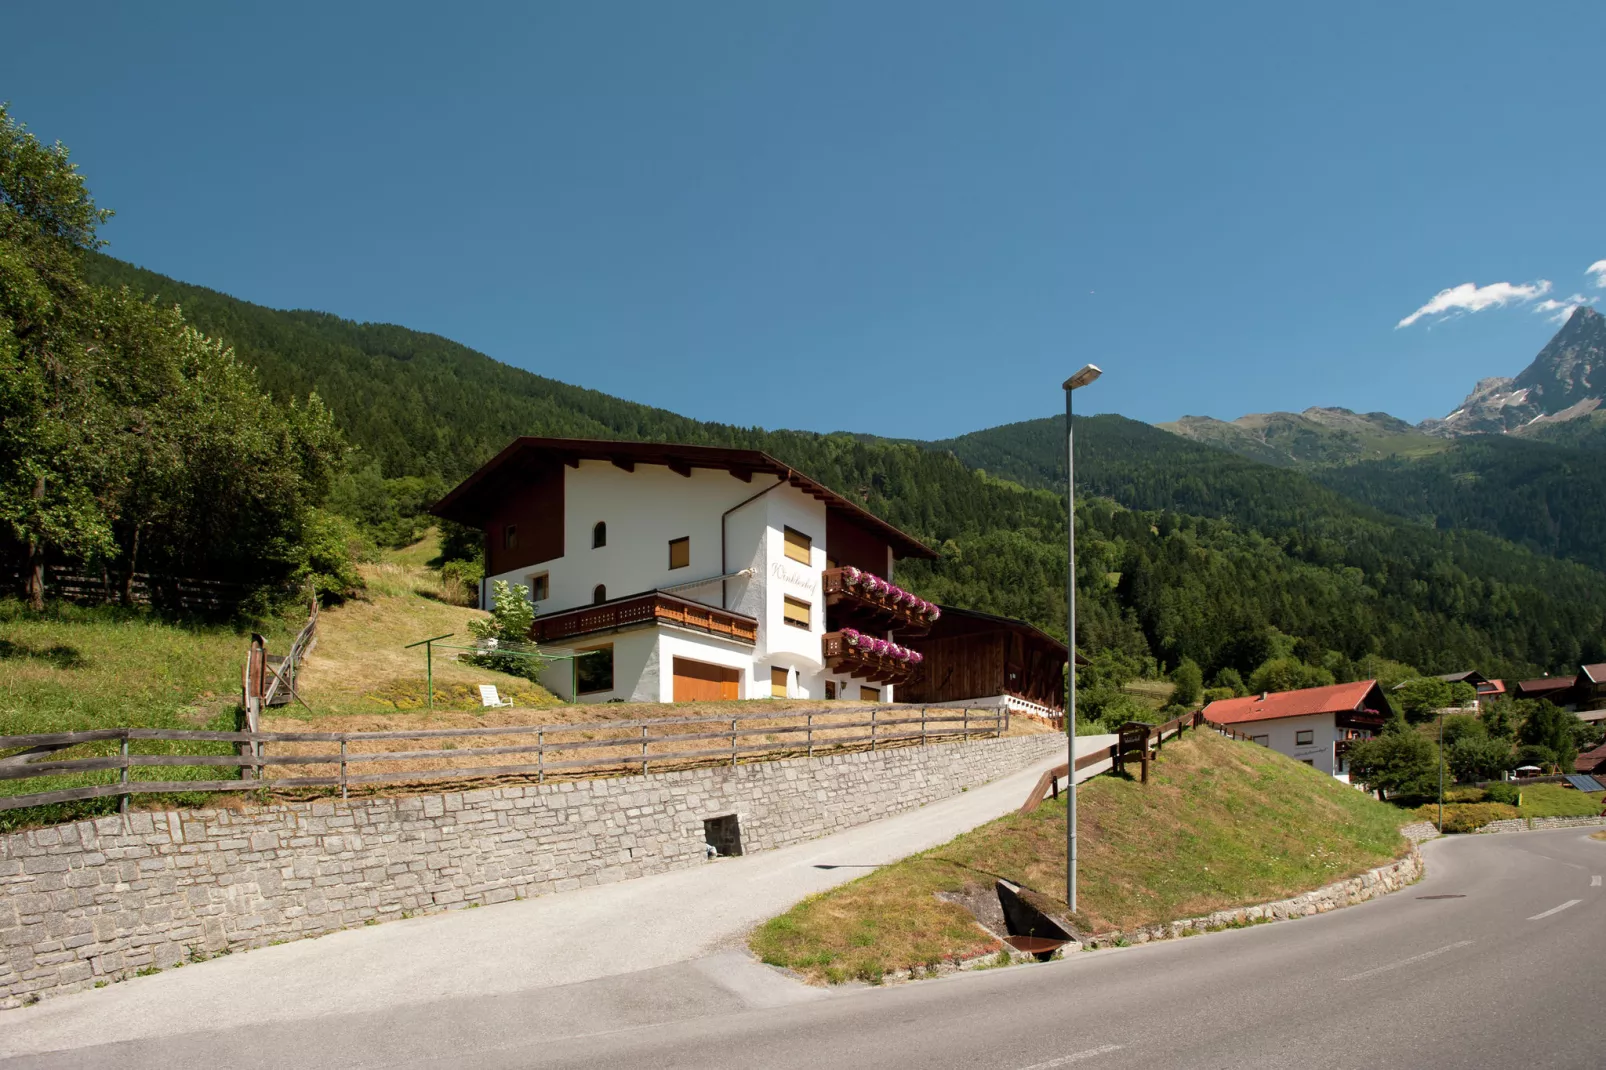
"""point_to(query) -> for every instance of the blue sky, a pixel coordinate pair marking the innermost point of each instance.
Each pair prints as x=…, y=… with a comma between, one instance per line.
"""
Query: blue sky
x=944, y=207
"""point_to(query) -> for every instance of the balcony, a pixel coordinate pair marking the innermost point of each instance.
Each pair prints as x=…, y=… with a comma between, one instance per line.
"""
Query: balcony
x=863, y=599
x=654, y=607
x=847, y=653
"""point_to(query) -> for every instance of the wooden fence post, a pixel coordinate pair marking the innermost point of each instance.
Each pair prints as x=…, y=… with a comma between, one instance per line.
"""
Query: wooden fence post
x=643, y=750
x=965, y=731
x=922, y=726
x=540, y=755
x=733, y=743
x=811, y=734
x=872, y=729
x=342, y=767
x=122, y=800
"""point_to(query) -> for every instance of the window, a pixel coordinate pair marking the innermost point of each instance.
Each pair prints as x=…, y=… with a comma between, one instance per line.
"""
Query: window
x=1305, y=737
x=830, y=689
x=778, y=681
x=869, y=694
x=540, y=587
x=830, y=562
x=599, y=535
x=1264, y=741
x=679, y=552
x=599, y=595
x=1309, y=761
x=796, y=612
x=798, y=545
x=593, y=669
x=510, y=537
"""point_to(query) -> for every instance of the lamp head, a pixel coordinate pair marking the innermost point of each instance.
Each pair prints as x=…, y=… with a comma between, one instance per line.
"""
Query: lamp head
x=1088, y=373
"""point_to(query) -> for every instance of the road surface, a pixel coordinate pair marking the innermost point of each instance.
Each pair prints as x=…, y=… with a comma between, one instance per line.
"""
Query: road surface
x=1511, y=973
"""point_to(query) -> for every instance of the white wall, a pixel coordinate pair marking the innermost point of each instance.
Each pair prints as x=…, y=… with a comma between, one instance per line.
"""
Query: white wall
x=673, y=643
x=1282, y=733
x=635, y=667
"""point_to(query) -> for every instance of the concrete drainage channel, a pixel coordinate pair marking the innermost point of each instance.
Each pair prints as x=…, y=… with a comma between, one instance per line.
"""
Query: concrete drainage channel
x=1027, y=935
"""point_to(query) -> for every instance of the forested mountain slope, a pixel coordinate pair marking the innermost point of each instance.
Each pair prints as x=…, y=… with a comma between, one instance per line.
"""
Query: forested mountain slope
x=1195, y=552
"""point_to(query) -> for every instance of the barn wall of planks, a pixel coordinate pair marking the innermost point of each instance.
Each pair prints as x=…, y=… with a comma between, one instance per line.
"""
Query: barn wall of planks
x=99, y=900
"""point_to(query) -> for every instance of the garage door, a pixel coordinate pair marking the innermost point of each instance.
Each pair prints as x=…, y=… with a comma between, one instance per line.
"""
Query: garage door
x=698, y=681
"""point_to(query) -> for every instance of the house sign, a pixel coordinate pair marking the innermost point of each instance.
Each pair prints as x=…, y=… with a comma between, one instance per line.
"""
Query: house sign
x=796, y=579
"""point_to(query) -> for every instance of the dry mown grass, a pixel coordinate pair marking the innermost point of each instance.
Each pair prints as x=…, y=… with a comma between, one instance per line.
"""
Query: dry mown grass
x=1220, y=824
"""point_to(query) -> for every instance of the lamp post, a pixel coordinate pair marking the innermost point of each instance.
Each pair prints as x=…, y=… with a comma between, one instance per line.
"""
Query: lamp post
x=1088, y=373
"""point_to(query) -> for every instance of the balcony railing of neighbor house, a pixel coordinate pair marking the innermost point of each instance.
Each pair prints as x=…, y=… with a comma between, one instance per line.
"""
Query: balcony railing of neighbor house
x=867, y=657
x=650, y=608
x=875, y=602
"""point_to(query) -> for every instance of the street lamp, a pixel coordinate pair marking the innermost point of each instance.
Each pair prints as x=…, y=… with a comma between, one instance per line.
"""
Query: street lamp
x=1088, y=373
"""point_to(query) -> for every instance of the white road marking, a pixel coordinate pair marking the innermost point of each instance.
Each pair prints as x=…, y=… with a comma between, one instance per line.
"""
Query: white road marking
x=1074, y=1057
x=1594, y=882
x=1407, y=962
x=1556, y=910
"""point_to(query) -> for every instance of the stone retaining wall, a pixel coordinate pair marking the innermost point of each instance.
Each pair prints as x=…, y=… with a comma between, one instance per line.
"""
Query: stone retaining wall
x=1524, y=824
x=98, y=900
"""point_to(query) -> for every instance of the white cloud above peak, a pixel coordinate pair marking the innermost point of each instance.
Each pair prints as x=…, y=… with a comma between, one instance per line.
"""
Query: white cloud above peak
x=1470, y=297
x=1597, y=272
x=1563, y=308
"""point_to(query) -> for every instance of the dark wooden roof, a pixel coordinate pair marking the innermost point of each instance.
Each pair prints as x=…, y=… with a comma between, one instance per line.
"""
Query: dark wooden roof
x=956, y=621
x=474, y=499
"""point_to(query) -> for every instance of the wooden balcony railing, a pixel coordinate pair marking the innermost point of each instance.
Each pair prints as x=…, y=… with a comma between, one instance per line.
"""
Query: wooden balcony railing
x=853, y=661
x=857, y=603
x=652, y=607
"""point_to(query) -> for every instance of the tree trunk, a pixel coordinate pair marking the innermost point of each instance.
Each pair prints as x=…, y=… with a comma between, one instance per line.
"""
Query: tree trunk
x=35, y=581
x=133, y=563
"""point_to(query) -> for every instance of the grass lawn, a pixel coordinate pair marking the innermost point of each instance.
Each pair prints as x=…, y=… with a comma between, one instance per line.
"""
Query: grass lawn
x=1220, y=824
x=1464, y=813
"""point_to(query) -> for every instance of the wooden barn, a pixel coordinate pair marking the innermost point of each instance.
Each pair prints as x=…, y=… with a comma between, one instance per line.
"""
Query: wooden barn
x=972, y=656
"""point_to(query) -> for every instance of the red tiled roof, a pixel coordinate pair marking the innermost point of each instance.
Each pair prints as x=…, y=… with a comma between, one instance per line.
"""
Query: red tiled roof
x=1547, y=683
x=1493, y=687
x=1339, y=698
x=1596, y=673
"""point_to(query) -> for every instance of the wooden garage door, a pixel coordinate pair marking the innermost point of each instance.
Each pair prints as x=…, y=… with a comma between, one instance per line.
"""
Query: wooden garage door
x=698, y=681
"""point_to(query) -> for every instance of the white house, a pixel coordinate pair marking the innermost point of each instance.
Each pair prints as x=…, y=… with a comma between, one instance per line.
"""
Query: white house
x=1314, y=725
x=693, y=572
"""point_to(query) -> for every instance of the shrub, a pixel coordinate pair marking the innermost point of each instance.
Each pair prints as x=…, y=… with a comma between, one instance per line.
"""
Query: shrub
x=1501, y=793
x=1467, y=817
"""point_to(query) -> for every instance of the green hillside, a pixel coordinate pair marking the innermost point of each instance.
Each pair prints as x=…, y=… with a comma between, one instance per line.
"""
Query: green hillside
x=1225, y=560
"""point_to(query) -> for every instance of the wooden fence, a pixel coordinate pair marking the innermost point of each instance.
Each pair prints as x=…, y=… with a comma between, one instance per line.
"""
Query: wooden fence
x=631, y=750
x=73, y=583
x=1133, y=742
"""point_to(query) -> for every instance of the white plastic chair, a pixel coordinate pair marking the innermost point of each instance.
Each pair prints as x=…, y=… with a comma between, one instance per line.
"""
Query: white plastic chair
x=489, y=697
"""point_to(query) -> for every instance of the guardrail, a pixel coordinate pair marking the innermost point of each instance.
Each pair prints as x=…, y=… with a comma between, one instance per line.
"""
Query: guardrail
x=1132, y=740
x=814, y=732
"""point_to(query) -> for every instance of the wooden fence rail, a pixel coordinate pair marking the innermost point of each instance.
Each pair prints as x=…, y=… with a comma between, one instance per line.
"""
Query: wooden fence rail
x=1128, y=744
x=812, y=733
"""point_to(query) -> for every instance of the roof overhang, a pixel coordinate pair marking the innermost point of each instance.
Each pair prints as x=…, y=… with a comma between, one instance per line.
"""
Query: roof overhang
x=475, y=499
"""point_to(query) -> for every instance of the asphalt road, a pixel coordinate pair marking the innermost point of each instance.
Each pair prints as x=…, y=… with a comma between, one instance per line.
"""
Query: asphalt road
x=1512, y=973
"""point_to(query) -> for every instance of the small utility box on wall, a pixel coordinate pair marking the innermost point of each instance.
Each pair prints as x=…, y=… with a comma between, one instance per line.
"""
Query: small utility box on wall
x=724, y=834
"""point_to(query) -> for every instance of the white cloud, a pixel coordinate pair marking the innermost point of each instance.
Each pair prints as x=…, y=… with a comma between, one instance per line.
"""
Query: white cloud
x=1470, y=297
x=1564, y=308
x=1597, y=271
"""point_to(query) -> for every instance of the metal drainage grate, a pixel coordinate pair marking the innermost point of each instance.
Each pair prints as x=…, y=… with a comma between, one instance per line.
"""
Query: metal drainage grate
x=1441, y=897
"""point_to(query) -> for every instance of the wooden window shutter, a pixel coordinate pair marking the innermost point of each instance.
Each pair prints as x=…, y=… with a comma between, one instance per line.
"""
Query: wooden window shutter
x=778, y=679
x=796, y=612
x=798, y=545
x=680, y=552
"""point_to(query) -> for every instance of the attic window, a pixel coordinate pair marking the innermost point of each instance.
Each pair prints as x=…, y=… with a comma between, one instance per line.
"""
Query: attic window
x=680, y=552
x=599, y=535
x=599, y=594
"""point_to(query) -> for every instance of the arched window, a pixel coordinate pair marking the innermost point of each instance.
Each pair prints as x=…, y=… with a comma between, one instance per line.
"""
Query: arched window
x=599, y=535
x=599, y=595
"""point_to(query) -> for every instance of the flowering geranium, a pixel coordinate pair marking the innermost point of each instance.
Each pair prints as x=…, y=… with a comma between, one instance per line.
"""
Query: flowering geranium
x=916, y=657
x=851, y=636
x=936, y=612
x=850, y=576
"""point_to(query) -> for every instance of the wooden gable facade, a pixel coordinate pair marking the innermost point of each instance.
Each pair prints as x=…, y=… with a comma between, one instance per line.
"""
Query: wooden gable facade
x=972, y=655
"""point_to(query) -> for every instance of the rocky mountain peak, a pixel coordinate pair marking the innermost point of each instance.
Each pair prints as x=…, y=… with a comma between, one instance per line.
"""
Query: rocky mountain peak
x=1567, y=379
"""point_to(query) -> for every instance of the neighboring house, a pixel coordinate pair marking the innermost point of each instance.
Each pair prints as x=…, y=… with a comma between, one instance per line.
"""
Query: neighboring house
x=1561, y=690
x=693, y=572
x=1314, y=725
x=1592, y=762
x=977, y=659
x=1590, y=690
x=1484, y=687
